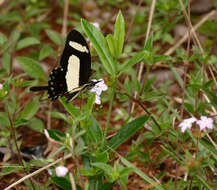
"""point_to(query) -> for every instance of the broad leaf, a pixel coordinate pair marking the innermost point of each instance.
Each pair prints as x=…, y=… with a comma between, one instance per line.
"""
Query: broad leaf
x=54, y=36
x=62, y=183
x=45, y=52
x=30, y=109
x=31, y=67
x=126, y=132
x=119, y=33
x=99, y=44
x=28, y=41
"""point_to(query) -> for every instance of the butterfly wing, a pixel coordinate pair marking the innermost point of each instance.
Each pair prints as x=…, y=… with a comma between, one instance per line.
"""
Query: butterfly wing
x=74, y=70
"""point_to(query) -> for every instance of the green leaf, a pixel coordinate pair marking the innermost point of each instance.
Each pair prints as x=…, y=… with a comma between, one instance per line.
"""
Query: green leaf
x=105, y=167
x=89, y=106
x=45, y=52
x=15, y=35
x=56, y=135
x=149, y=44
x=141, y=174
x=54, y=36
x=189, y=107
x=36, y=124
x=31, y=67
x=102, y=157
x=20, y=122
x=62, y=183
x=30, y=109
x=28, y=41
x=135, y=59
x=3, y=39
x=203, y=181
x=95, y=132
x=74, y=111
x=100, y=45
x=126, y=132
x=111, y=44
x=6, y=61
x=119, y=33
x=10, y=169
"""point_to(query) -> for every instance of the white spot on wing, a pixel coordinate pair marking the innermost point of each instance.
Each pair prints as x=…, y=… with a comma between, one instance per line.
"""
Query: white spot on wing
x=72, y=75
x=78, y=46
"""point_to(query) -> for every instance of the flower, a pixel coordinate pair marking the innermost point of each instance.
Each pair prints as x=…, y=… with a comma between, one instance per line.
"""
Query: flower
x=1, y=86
x=98, y=88
x=61, y=171
x=46, y=133
x=205, y=122
x=96, y=24
x=187, y=123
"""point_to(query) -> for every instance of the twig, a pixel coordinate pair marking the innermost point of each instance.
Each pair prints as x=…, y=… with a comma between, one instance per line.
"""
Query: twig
x=140, y=104
x=212, y=141
x=72, y=181
x=132, y=21
x=188, y=20
x=146, y=38
x=16, y=145
x=37, y=171
x=65, y=15
x=184, y=38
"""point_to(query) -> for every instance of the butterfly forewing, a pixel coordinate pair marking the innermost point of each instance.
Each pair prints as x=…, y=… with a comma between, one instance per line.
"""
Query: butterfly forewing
x=74, y=70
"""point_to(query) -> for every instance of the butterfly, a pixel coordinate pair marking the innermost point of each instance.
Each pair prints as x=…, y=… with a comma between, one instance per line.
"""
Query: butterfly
x=71, y=77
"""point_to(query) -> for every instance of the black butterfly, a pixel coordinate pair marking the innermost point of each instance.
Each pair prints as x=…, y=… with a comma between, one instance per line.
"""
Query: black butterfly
x=72, y=76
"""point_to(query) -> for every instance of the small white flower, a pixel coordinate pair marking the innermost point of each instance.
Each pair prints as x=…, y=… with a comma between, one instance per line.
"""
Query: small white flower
x=97, y=99
x=205, y=122
x=187, y=123
x=46, y=133
x=96, y=24
x=98, y=88
x=61, y=171
x=1, y=86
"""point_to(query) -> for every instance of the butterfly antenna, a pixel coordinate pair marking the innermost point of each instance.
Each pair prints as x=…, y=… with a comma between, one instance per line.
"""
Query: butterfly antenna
x=38, y=88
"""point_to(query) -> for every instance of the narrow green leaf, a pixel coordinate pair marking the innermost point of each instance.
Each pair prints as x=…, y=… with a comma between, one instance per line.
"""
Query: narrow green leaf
x=105, y=167
x=177, y=76
x=36, y=124
x=62, y=183
x=54, y=36
x=135, y=59
x=56, y=135
x=74, y=111
x=149, y=44
x=3, y=39
x=30, y=109
x=10, y=169
x=99, y=44
x=111, y=44
x=45, y=52
x=141, y=174
x=6, y=61
x=95, y=132
x=203, y=181
x=127, y=131
x=28, y=41
x=15, y=35
x=31, y=67
x=119, y=33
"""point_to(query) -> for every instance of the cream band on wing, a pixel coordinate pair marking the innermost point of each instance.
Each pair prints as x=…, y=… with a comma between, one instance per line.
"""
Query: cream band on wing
x=72, y=75
x=78, y=46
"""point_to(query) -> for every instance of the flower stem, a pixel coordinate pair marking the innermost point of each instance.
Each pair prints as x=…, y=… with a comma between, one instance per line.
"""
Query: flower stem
x=109, y=112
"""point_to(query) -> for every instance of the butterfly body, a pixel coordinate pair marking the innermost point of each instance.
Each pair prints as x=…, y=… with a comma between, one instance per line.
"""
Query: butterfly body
x=74, y=71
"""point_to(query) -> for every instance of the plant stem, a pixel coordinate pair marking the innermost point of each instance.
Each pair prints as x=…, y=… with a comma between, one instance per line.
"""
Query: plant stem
x=109, y=112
